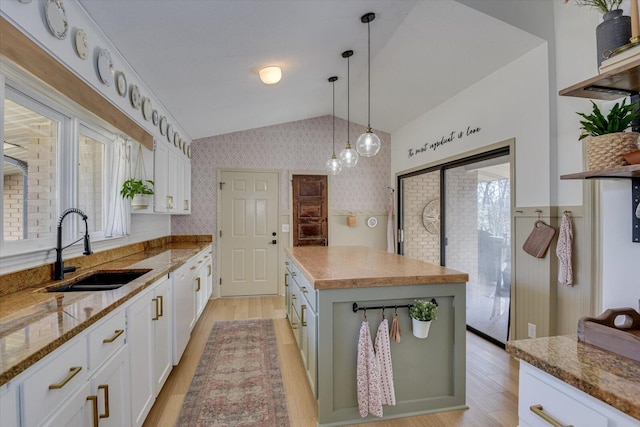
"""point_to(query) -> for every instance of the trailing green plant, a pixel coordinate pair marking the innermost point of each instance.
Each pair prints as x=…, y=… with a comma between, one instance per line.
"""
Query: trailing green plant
x=618, y=119
x=603, y=6
x=131, y=187
x=423, y=310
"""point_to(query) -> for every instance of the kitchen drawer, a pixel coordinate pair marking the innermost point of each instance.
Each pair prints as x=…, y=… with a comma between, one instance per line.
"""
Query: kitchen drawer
x=307, y=291
x=106, y=338
x=289, y=265
x=537, y=388
x=56, y=378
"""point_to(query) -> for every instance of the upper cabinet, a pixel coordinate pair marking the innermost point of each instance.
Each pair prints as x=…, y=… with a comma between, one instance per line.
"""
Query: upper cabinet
x=172, y=177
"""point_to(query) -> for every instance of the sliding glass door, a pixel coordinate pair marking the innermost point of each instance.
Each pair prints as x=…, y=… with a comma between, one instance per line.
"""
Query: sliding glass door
x=459, y=215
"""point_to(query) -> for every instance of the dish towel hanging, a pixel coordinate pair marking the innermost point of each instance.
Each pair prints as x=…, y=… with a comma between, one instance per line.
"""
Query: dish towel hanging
x=368, y=375
x=395, y=329
x=383, y=355
x=564, y=250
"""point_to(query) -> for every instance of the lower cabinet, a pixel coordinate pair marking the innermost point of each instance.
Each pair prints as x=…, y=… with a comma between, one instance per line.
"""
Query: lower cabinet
x=9, y=408
x=110, y=386
x=149, y=338
x=544, y=400
x=80, y=410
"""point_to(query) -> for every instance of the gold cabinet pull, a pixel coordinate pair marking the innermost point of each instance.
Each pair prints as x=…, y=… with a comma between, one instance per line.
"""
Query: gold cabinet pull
x=198, y=282
x=304, y=290
x=161, y=306
x=157, y=316
x=116, y=334
x=294, y=297
x=293, y=273
x=209, y=270
x=286, y=263
x=105, y=387
x=294, y=325
x=538, y=410
x=73, y=371
x=303, y=307
x=94, y=403
x=286, y=282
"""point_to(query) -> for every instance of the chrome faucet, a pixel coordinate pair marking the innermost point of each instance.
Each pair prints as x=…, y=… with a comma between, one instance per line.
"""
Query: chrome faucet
x=59, y=268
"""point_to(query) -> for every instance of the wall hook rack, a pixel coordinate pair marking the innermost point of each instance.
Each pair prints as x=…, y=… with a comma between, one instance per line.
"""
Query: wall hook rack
x=357, y=308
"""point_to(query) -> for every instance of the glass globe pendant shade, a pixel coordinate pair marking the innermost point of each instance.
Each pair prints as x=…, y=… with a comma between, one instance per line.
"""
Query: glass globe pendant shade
x=348, y=156
x=368, y=144
x=333, y=165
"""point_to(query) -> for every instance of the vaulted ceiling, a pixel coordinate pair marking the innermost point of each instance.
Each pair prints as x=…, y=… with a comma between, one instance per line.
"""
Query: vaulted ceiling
x=201, y=57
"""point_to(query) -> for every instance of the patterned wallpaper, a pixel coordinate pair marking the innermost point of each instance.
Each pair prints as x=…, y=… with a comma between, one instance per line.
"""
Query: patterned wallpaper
x=303, y=145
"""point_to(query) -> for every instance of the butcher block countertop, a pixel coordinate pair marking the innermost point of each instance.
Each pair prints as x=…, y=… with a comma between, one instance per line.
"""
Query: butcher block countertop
x=339, y=267
x=607, y=376
x=34, y=322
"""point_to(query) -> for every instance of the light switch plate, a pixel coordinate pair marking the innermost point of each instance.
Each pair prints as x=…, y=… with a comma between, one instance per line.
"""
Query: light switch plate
x=285, y=228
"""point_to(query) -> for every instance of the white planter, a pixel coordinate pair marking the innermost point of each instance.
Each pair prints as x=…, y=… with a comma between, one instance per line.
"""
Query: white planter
x=140, y=201
x=420, y=328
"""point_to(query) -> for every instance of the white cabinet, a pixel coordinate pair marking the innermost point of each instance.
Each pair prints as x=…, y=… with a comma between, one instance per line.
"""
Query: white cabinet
x=204, y=282
x=184, y=308
x=80, y=410
x=110, y=386
x=148, y=332
x=8, y=406
x=172, y=177
x=543, y=398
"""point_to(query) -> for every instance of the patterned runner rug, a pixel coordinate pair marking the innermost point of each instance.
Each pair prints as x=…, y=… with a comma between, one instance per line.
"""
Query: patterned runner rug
x=238, y=380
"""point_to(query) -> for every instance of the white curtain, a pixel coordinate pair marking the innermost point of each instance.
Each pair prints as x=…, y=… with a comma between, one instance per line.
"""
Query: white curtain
x=391, y=229
x=118, y=214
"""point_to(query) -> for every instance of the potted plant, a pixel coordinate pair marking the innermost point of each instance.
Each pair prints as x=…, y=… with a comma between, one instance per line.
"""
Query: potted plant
x=607, y=140
x=138, y=191
x=615, y=29
x=422, y=313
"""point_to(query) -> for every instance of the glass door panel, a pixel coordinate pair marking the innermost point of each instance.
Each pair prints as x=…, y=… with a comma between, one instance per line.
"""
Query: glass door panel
x=421, y=217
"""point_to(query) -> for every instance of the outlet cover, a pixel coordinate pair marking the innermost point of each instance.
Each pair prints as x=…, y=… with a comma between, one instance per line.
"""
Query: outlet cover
x=531, y=331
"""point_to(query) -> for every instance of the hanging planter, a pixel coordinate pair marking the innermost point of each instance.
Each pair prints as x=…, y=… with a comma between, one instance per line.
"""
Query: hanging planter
x=139, y=190
x=422, y=313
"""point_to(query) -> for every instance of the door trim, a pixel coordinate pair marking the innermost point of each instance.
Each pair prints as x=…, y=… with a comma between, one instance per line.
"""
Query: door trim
x=216, y=233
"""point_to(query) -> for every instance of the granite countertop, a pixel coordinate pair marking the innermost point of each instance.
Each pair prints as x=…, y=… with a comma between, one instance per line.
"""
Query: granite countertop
x=34, y=322
x=338, y=267
x=607, y=376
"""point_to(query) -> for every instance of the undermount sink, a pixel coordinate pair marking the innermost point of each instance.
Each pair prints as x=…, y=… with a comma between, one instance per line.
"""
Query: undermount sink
x=102, y=281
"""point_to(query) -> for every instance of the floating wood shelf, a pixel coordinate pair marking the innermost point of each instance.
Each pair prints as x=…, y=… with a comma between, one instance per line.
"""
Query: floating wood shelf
x=610, y=85
x=632, y=171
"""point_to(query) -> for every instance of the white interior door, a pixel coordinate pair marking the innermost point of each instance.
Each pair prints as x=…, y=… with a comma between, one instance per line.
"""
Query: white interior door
x=249, y=225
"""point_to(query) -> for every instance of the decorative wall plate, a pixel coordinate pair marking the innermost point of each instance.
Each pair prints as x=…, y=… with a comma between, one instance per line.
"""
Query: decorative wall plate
x=154, y=117
x=189, y=151
x=146, y=109
x=170, y=133
x=372, y=221
x=176, y=139
x=81, y=43
x=121, y=83
x=163, y=125
x=24, y=1
x=105, y=67
x=56, y=18
x=136, y=98
x=181, y=144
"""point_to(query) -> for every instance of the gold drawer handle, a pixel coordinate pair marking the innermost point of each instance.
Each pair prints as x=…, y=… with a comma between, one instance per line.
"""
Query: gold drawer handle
x=538, y=410
x=209, y=270
x=294, y=325
x=198, y=282
x=161, y=306
x=105, y=387
x=303, y=308
x=157, y=316
x=116, y=334
x=286, y=282
x=304, y=290
x=94, y=401
x=73, y=371
x=293, y=273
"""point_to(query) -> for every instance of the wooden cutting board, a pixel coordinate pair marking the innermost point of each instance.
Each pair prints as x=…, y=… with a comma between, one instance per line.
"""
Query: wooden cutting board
x=539, y=240
x=602, y=331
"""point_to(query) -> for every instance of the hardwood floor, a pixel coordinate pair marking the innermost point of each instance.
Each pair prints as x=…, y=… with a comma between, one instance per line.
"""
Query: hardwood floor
x=492, y=375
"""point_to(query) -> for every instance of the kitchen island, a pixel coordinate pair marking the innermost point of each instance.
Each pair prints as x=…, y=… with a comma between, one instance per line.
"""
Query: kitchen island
x=323, y=283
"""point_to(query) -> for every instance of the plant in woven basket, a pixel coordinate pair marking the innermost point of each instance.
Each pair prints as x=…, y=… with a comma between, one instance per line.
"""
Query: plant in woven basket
x=618, y=119
x=603, y=6
x=607, y=140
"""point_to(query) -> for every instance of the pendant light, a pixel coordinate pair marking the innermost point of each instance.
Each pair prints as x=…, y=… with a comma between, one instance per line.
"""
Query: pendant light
x=333, y=164
x=368, y=144
x=348, y=156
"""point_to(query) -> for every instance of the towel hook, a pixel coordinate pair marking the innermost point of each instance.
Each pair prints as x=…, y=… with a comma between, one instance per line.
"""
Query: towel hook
x=383, y=312
x=365, y=313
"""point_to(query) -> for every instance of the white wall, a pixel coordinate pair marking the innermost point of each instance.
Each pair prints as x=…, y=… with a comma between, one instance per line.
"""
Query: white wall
x=513, y=102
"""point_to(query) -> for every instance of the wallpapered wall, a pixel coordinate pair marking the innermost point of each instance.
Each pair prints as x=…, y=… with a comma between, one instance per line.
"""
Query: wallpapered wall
x=303, y=145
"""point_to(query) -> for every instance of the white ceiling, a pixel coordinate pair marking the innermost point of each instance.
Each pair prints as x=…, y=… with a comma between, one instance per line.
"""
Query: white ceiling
x=201, y=57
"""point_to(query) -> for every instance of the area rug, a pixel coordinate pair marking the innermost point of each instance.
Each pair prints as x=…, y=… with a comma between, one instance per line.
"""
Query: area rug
x=238, y=380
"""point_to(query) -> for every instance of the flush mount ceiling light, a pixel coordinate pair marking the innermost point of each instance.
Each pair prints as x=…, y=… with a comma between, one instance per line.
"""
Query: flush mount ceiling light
x=348, y=156
x=368, y=144
x=270, y=75
x=333, y=165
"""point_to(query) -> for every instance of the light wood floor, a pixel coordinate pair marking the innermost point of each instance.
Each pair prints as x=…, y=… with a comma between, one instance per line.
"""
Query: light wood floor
x=492, y=375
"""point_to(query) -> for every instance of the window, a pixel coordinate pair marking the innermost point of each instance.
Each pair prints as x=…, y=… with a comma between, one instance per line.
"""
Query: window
x=91, y=177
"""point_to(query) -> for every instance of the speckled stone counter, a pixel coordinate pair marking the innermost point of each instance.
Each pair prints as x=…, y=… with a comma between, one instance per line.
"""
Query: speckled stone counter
x=34, y=322
x=604, y=375
x=341, y=267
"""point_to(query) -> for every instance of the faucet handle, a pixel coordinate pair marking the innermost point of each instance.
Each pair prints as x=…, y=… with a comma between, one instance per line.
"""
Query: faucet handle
x=69, y=269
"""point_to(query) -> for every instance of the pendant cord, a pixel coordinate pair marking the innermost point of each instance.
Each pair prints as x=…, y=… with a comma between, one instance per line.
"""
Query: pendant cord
x=333, y=116
x=369, y=75
x=348, y=108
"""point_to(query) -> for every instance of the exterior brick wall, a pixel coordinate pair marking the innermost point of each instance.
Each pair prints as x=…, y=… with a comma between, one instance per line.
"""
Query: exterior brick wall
x=13, y=198
x=41, y=199
x=418, y=242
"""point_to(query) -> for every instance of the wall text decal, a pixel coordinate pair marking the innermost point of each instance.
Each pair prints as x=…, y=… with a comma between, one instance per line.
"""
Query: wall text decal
x=445, y=139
